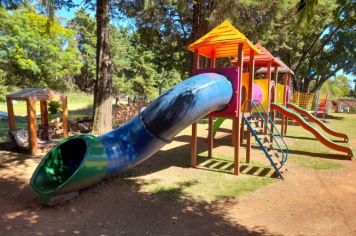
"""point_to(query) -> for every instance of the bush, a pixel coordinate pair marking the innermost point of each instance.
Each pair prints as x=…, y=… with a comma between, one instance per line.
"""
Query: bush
x=4, y=90
x=54, y=107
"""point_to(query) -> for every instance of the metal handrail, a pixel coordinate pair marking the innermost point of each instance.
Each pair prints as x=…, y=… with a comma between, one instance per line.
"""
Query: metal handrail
x=275, y=127
x=284, y=155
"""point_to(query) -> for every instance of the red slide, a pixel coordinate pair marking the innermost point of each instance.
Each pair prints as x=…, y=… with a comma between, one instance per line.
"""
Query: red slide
x=302, y=122
x=310, y=117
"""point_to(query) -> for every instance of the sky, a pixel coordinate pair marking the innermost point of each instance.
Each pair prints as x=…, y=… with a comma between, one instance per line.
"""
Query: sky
x=66, y=15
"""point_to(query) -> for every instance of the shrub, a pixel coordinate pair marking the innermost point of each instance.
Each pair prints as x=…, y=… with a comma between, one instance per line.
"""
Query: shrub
x=54, y=107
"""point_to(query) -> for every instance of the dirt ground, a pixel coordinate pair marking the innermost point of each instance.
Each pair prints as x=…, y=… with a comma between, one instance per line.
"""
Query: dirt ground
x=308, y=202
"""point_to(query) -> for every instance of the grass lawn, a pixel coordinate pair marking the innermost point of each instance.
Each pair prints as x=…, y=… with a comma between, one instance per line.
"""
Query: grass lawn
x=211, y=183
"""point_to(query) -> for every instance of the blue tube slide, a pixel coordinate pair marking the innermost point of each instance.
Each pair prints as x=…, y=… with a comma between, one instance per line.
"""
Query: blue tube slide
x=84, y=160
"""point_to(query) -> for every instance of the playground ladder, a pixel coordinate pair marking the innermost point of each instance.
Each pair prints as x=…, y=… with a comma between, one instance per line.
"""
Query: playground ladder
x=275, y=154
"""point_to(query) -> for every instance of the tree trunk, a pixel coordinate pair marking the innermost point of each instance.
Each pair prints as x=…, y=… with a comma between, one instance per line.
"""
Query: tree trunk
x=201, y=11
x=103, y=84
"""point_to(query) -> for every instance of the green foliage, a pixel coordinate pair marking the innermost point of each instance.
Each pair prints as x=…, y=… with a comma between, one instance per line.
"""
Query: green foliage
x=337, y=88
x=54, y=107
x=34, y=53
x=136, y=58
x=85, y=29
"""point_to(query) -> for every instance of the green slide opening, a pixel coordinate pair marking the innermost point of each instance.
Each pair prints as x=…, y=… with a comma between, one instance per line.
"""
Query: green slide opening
x=60, y=164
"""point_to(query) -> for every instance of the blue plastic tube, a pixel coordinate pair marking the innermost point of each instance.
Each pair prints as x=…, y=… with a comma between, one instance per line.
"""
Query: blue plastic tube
x=84, y=160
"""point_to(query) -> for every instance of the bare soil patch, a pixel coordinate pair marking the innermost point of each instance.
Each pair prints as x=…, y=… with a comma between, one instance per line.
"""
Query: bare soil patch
x=308, y=202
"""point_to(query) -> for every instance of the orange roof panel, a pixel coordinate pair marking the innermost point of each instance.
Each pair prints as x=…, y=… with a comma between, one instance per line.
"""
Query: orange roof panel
x=262, y=59
x=222, y=41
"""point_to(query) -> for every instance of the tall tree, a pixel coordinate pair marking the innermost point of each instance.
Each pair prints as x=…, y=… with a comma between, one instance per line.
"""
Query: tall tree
x=104, y=67
x=103, y=84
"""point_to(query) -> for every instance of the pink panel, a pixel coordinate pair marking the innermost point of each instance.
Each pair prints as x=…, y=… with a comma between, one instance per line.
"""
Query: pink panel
x=257, y=93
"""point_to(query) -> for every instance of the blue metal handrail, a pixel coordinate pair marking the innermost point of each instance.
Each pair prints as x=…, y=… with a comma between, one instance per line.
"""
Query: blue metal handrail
x=275, y=127
x=284, y=155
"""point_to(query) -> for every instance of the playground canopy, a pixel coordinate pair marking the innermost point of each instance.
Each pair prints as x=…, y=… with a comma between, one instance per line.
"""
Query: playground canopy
x=31, y=96
x=222, y=41
x=262, y=59
x=283, y=68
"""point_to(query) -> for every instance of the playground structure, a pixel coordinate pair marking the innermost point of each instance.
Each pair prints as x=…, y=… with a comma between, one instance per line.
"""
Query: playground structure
x=31, y=95
x=84, y=160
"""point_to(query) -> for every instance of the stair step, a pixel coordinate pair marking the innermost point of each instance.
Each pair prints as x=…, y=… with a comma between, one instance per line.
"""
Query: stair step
x=262, y=137
x=256, y=122
x=273, y=153
x=258, y=129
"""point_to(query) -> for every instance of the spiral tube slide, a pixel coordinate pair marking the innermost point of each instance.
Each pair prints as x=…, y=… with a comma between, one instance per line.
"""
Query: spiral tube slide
x=310, y=117
x=302, y=122
x=84, y=160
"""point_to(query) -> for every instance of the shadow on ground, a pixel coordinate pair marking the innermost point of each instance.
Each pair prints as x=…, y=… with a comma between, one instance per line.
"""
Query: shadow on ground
x=310, y=138
x=115, y=206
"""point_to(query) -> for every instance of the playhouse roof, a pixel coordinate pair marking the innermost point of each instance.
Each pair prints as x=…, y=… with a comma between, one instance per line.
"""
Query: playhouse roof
x=283, y=68
x=264, y=58
x=222, y=41
x=36, y=94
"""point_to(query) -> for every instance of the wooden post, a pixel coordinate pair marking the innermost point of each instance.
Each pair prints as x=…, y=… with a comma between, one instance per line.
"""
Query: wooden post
x=273, y=113
x=286, y=101
x=11, y=114
x=233, y=132
x=65, y=116
x=194, y=145
x=268, y=108
x=210, y=137
x=250, y=96
x=283, y=123
x=242, y=131
x=44, y=118
x=212, y=60
x=32, y=130
x=237, y=118
x=193, y=154
x=211, y=121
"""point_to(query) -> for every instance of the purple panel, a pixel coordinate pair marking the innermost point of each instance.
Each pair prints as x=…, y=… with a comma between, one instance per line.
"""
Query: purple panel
x=232, y=74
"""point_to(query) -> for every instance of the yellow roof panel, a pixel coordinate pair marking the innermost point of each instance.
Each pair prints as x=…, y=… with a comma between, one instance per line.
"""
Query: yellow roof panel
x=222, y=41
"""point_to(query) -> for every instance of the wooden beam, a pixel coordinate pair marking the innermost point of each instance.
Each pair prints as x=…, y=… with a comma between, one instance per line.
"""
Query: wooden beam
x=250, y=97
x=213, y=61
x=210, y=137
x=211, y=120
x=283, y=122
x=273, y=113
x=268, y=108
x=44, y=118
x=233, y=132
x=65, y=117
x=242, y=131
x=193, y=154
x=237, y=118
x=32, y=126
x=286, y=101
x=194, y=145
x=11, y=114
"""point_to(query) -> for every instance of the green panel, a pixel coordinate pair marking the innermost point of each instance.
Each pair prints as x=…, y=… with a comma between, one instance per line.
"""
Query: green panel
x=218, y=122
